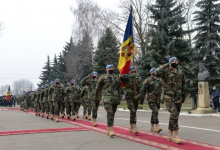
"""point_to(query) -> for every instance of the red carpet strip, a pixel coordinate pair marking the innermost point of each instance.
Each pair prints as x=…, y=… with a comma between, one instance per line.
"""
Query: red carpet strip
x=144, y=137
x=4, y=133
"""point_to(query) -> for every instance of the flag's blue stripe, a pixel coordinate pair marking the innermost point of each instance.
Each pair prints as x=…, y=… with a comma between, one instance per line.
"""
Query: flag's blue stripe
x=129, y=28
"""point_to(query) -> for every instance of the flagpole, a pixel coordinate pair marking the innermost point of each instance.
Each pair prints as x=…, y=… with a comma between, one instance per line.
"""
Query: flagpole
x=133, y=48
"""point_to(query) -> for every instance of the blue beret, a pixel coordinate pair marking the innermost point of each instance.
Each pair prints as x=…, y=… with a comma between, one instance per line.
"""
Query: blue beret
x=57, y=80
x=68, y=83
x=95, y=72
x=51, y=82
x=173, y=58
x=42, y=86
x=46, y=85
x=73, y=80
x=131, y=68
x=24, y=92
x=109, y=66
x=152, y=69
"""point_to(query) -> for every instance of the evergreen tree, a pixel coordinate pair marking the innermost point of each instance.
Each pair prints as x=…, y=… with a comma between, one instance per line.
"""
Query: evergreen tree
x=67, y=47
x=61, y=68
x=207, y=39
x=45, y=74
x=54, y=69
x=107, y=52
x=167, y=37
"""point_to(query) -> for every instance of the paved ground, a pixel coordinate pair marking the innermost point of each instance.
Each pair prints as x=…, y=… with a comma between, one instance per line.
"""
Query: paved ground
x=202, y=129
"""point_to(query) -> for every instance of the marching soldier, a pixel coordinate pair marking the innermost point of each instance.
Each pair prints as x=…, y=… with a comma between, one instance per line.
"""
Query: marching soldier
x=41, y=101
x=153, y=86
x=85, y=101
x=62, y=109
x=57, y=95
x=173, y=93
x=45, y=101
x=73, y=93
x=91, y=81
x=50, y=100
x=67, y=102
x=38, y=101
x=131, y=99
x=110, y=85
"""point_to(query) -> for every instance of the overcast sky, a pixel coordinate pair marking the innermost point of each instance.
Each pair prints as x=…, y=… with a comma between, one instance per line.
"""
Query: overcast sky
x=33, y=30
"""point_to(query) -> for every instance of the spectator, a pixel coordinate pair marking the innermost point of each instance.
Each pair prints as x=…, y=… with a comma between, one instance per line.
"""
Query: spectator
x=215, y=98
x=195, y=101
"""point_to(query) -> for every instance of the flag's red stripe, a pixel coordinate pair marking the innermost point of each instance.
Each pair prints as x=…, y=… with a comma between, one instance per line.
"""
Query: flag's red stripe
x=125, y=70
x=7, y=97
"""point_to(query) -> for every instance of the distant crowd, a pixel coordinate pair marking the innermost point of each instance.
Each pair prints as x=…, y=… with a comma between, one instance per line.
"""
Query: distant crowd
x=8, y=103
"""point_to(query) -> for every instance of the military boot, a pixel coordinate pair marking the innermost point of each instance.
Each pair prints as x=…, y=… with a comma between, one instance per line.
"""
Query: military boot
x=158, y=129
x=47, y=116
x=89, y=117
x=73, y=118
x=84, y=116
x=68, y=116
x=42, y=115
x=170, y=136
x=57, y=118
x=94, y=122
x=152, y=129
x=135, y=130
x=108, y=131
x=63, y=114
x=39, y=114
x=51, y=117
x=77, y=115
x=177, y=138
x=111, y=132
x=131, y=128
x=36, y=114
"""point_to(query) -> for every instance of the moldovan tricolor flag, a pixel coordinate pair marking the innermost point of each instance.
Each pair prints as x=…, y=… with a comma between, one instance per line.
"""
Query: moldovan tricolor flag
x=8, y=94
x=127, y=46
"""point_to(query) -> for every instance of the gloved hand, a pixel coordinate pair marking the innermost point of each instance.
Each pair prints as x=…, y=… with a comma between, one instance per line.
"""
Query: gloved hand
x=136, y=98
x=133, y=75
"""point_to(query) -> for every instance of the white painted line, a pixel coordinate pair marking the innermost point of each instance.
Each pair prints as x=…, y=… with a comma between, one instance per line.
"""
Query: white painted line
x=205, y=129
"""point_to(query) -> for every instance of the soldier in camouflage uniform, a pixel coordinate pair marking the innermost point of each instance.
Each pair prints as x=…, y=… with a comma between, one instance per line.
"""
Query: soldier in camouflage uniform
x=41, y=101
x=153, y=87
x=174, y=93
x=45, y=101
x=57, y=95
x=66, y=101
x=91, y=81
x=34, y=99
x=79, y=103
x=73, y=91
x=21, y=101
x=131, y=99
x=38, y=101
x=110, y=85
x=62, y=109
x=50, y=101
x=84, y=95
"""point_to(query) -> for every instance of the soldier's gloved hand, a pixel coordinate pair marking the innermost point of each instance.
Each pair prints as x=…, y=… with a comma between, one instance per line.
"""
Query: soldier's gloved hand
x=88, y=76
x=136, y=98
x=133, y=75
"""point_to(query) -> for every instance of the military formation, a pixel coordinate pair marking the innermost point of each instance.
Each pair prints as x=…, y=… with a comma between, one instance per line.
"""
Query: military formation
x=167, y=84
x=11, y=102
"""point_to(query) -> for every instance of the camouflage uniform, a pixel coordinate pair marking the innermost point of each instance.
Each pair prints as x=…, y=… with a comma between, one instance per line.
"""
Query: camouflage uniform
x=50, y=101
x=41, y=100
x=132, y=104
x=62, y=108
x=38, y=101
x=84, y=95
x=153, y=86
x=34, y=98
x=173, y=92
x=45, y=101
x=73, y=93
x=57, y=95
x=111, y=95
x=66, y=101
x=91, y=92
